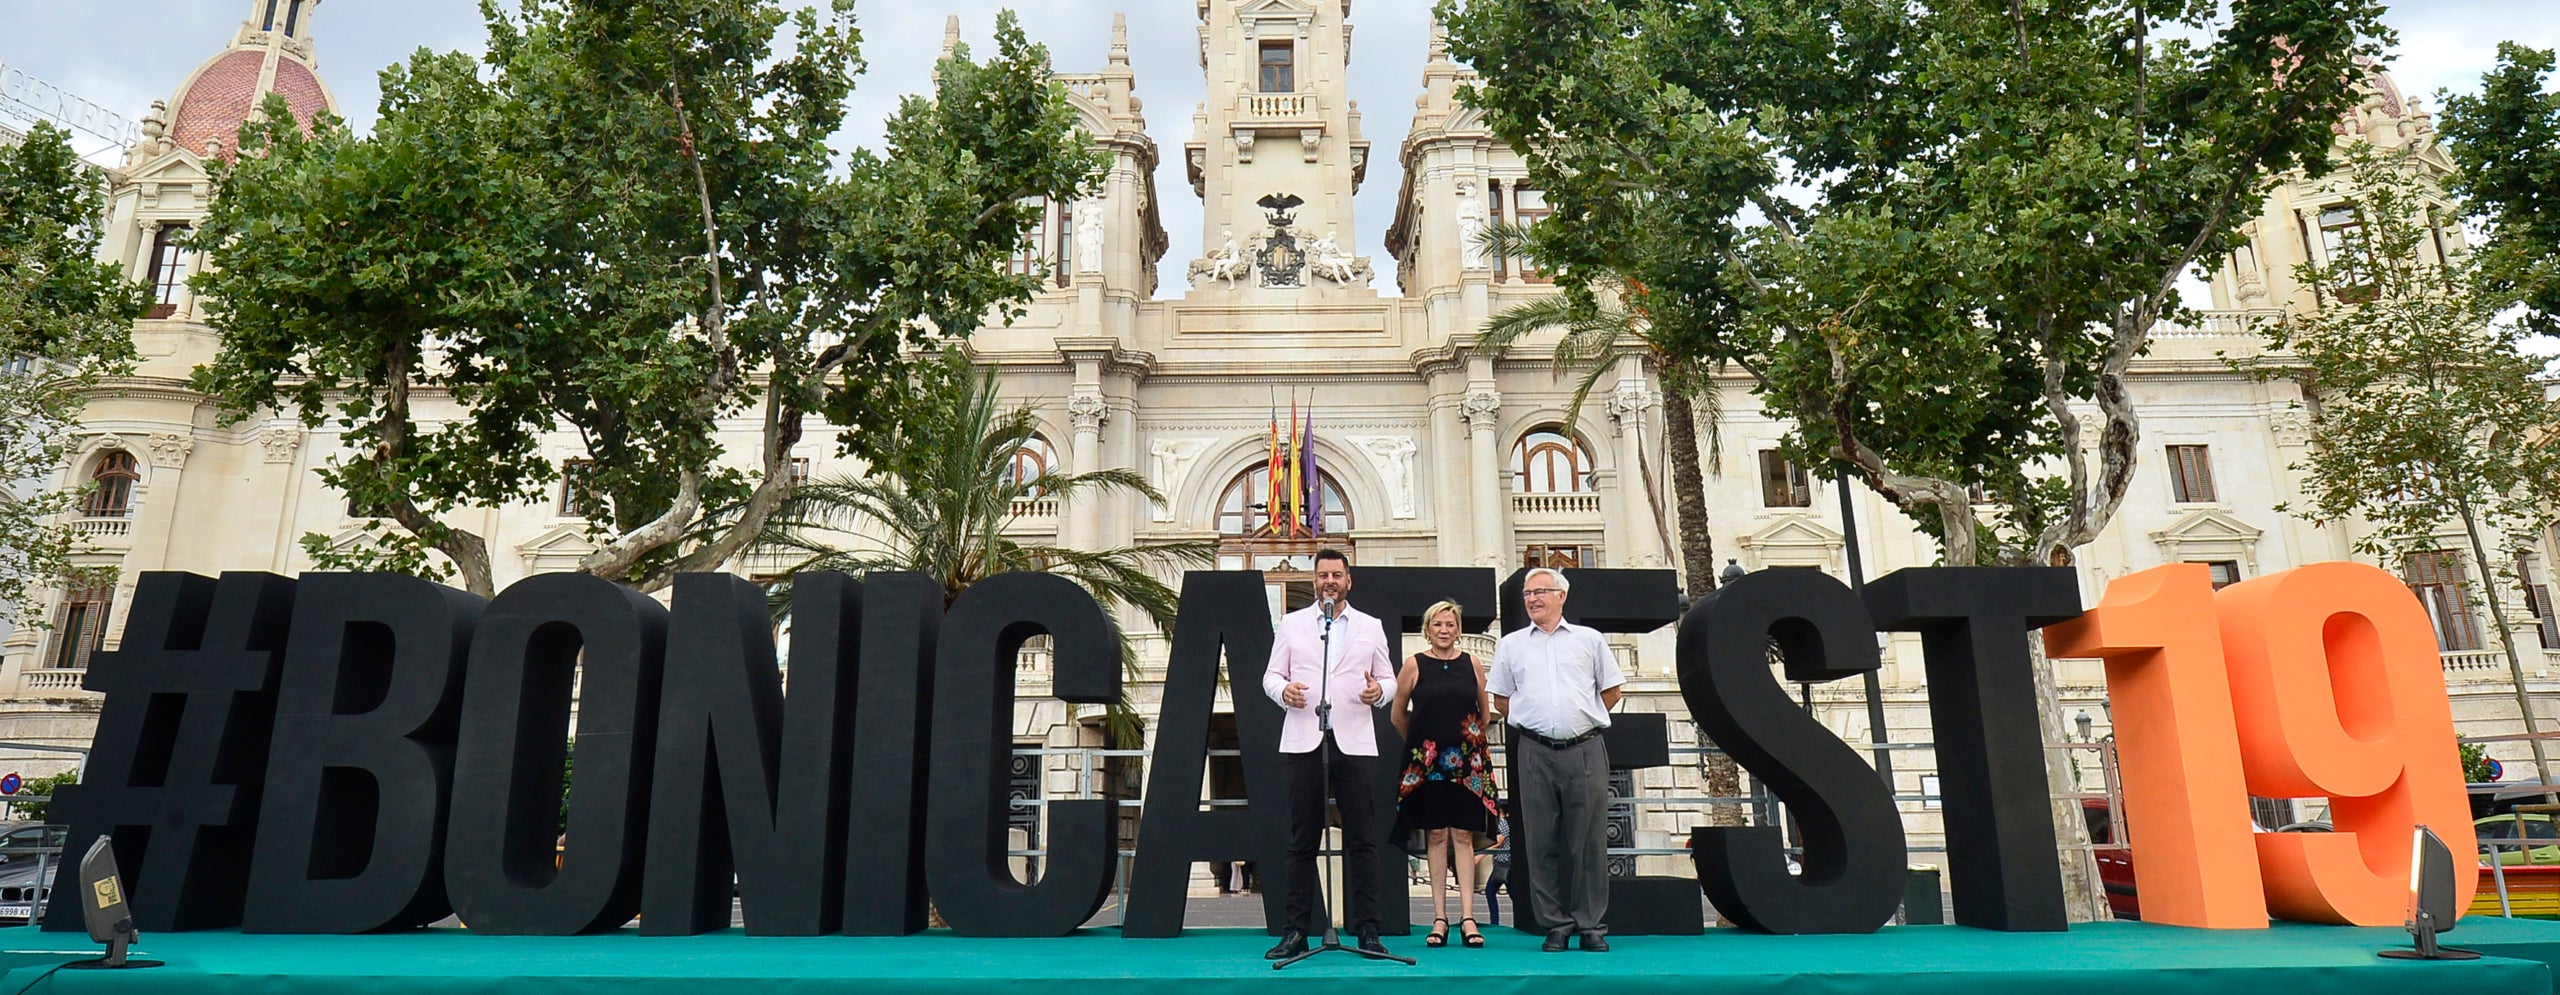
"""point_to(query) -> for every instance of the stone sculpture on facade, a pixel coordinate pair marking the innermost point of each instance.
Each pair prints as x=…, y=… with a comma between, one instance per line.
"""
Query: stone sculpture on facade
x=1392, y=455
x=1172, y=460
x=1090, y=218
x=1473, y=219
x=1227, y=262
x=1326, y=259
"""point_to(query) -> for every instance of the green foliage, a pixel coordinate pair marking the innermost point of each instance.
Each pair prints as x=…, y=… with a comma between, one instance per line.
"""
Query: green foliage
x=2425, y=411
x=941, y=496
x=568, y=772
x=625, y=227
x=2506, y=142
x=1925, y=230
x=40, y=787
x=2475, y=763
x=66, y=323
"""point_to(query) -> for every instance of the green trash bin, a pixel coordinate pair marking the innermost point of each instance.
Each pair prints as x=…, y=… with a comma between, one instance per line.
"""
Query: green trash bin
x=1920, y=904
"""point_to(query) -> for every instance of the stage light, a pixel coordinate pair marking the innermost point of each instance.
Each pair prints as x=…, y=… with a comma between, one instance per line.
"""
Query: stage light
x=102, y=906
x=2431, y=900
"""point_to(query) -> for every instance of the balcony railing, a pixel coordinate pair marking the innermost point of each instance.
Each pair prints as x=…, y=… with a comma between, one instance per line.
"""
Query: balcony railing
x=1035, y=507
x=2491, y=664
x=51, y=680
x=1280, y=106
x=102, y=527
x=1555, y=505
x=1088, y=85
x=2217, y=325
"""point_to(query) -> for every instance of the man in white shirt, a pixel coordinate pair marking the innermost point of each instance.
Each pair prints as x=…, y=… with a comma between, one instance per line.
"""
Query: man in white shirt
x=1328, y=661
x=1555, y=682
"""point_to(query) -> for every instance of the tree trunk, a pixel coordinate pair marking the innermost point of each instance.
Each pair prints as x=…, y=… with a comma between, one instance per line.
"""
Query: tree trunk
x=2080, y=896
x=2506, y=640
x=1689, y=494
x=1698, y=569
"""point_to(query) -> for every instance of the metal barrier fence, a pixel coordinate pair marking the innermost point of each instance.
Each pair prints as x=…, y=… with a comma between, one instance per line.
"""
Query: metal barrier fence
x=1756, y=806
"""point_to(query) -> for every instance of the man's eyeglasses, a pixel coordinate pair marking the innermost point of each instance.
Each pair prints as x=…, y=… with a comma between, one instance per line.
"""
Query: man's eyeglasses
x=1541, y=592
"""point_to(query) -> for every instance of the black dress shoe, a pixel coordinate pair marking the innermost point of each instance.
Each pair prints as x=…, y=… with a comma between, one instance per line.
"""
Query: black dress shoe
x=1292, y=943
x=1369, y=942
x=1595, y=942
x=1555, y=940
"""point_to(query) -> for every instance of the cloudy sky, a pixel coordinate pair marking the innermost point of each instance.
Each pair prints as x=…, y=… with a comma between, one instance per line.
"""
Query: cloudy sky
x=123, y=54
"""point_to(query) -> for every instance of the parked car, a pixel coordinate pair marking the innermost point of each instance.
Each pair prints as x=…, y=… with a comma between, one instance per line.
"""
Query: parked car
x=2527, y=826
x=30, y=856
x=2115, y=856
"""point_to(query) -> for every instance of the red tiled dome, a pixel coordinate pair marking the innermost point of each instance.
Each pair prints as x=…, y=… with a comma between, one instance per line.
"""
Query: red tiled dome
x=225, y=93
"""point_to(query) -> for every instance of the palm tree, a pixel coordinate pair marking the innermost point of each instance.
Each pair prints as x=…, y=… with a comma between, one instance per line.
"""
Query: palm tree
x=1603, y=323
x=940, y=501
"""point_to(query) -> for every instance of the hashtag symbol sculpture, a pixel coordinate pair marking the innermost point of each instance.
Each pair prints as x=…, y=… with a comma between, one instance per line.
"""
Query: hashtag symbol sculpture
x=182, y=746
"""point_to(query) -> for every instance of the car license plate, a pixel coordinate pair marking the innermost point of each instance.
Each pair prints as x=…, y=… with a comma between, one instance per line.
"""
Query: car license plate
x=16, y=911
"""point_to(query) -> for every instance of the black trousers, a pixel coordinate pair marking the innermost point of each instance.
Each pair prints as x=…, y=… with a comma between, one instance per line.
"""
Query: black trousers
x=1355, y=794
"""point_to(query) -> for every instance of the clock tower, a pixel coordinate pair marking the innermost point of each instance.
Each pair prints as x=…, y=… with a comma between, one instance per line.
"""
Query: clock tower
x=1276, y=151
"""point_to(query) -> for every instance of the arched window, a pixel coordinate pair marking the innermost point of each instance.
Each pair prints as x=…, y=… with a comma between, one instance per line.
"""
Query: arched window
x=1244, y=510
x=1036, y=457
x=1048, y=244
x=113, y=477
x=1547, y=461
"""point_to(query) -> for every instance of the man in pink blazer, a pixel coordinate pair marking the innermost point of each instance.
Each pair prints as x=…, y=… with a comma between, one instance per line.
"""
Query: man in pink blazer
x=1329, y=667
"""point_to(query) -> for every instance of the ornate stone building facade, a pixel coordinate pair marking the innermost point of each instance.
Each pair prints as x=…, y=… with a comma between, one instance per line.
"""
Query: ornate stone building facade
x=1431, y=451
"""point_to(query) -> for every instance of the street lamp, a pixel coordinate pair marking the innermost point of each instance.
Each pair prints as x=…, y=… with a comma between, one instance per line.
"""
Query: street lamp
x=2084, y=722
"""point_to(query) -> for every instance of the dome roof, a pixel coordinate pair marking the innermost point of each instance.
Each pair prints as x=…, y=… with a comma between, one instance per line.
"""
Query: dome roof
x=226, y=90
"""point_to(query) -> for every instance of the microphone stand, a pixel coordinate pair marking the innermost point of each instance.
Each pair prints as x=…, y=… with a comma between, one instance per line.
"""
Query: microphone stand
x=1324, y=758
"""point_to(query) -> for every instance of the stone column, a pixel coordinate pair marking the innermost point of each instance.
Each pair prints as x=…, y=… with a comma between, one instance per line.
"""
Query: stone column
x=1484, y=477
x=157, y=515
x=137, y=264
x=1627, y=408
x=1440, y=473
x=1080, y=520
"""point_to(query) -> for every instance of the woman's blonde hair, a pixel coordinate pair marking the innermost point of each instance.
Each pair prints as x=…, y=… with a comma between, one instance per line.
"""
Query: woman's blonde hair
x=1443, y=605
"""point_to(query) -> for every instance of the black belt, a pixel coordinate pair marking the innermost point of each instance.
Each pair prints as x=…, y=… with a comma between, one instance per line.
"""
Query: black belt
x=1557, y=744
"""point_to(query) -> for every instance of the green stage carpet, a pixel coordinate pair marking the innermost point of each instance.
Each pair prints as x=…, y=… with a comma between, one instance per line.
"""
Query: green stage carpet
x=1912, y=960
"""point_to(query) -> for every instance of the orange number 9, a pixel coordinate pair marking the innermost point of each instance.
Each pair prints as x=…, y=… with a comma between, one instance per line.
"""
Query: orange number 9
x=2338, y=692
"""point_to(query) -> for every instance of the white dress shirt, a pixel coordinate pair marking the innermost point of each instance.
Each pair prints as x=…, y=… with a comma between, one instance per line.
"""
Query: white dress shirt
x=1554, y=679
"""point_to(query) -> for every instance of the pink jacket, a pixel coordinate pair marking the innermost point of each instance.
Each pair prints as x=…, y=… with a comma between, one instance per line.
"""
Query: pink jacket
x=1297, y=652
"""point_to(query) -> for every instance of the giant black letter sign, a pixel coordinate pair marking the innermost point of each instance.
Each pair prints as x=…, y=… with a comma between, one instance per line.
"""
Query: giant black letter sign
x=1973, y=623
x=182, y=746
x=728, y=797
x=534, y=643
x=901, y=613
x=1853, y=845
x=1229, y=610
x=965, y=864
x=360, y=780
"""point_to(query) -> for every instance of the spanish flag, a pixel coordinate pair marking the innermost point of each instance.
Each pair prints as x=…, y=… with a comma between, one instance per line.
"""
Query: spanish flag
x=1273, y=477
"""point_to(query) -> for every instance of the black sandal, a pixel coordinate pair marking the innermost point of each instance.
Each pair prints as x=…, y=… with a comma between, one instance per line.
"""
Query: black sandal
x=1468, y=935
x=1439, y=935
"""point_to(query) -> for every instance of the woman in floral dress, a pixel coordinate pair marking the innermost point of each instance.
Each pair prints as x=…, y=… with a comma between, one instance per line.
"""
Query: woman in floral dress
x=1447, y=791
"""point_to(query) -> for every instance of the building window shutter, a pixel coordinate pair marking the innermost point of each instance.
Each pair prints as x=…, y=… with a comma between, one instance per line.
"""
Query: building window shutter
x=2190, y=474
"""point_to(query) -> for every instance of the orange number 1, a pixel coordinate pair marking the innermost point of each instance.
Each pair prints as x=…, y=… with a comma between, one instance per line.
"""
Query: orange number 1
x=2175, y=746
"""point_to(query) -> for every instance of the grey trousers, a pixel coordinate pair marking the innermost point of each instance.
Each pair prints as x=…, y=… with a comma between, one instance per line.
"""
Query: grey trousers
x=1563, y=796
